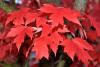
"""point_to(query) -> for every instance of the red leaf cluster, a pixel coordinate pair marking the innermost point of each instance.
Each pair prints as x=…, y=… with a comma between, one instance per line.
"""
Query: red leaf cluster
x=47, y=27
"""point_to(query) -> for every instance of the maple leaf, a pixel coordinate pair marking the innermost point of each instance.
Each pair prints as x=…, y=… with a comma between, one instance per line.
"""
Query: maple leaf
x=56, y=39
x=84, y=56
x=52, y=40
x=96, y=25
x=95, y=15
x=46, y=30
x=40, y=21
x=26, y=17
x=3, y=51
x=95, y=54
x=48, y=8
x=91, y=35
x=19, y=33
x=58, y=14
x=77, y=47
x=40, y=46
x=63, y=30
x=69, y=48
x=82, y=43
x=57, y=19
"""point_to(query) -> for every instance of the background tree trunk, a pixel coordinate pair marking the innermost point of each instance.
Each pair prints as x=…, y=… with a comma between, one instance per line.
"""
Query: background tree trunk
x=80, y=5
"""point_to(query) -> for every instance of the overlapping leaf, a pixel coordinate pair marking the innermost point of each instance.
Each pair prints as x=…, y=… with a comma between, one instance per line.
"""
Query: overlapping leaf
x=51, y=27
x=41, y=44
x=19, y=32
x=23, y=16
x=58, y=13
x=77, y=47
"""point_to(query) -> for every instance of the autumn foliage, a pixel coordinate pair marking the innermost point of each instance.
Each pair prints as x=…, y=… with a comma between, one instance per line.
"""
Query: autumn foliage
x=43, y=29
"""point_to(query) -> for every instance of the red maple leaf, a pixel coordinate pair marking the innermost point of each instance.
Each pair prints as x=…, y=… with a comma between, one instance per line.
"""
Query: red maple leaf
x=19, y=32
x=58, y=14
x=40, y=21
x=95, y=23
x=77, y=47
x=23, y=16
x=52, y=40
x=3, y=51
x=40, y=46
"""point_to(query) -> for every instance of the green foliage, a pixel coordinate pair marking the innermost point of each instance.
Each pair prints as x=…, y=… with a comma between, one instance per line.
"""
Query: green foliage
x=57, y=2
x=6, y=7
